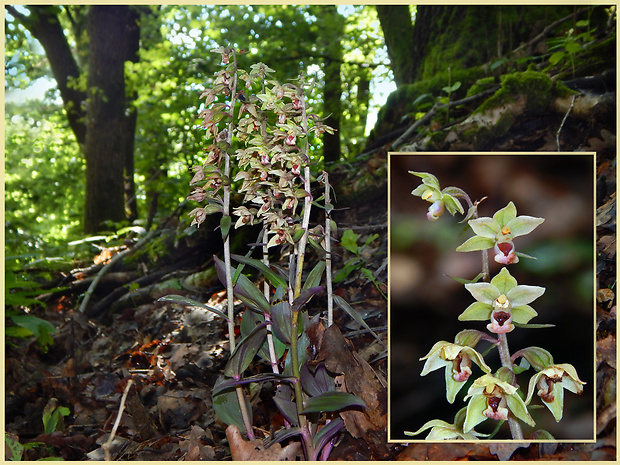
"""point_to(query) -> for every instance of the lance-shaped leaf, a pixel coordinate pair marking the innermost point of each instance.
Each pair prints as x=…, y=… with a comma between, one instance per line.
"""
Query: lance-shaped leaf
x=225, y=223
x=326, y=433
x=226, y=406
x=303, y=343
x=245, y=351
x=284, y=434
x=260, y=378
x=315, y=275
x=251, y=319
x=244, y=289
x=343, y=304
x=332, y=401
x=317, y=383
x=288, y=409
x=274, y=277
x=179, y=299
x=281, y=321
x=305, y=296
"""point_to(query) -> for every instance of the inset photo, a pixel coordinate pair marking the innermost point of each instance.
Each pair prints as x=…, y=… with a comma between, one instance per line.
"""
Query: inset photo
x=491, y=297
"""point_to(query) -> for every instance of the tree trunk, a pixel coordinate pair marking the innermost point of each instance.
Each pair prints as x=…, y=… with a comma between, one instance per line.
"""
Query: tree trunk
x=108, y=134
x=333, y=25
x=133, y=46
x=332, y=108
x=398, y=33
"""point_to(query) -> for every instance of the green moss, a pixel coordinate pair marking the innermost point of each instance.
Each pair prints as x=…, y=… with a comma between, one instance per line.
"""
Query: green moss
x=537, y=88
x=479, y=136
x=480, y=85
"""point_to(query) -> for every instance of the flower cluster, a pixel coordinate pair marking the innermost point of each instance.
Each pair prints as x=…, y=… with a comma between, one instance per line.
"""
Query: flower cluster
x=505, y=305
x=273, y=156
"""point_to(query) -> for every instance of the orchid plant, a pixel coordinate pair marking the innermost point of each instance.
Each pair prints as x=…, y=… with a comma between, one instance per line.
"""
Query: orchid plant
x=260, y=132
x=495, y=395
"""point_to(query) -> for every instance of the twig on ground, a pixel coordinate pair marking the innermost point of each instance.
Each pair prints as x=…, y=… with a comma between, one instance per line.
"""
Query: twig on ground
x=557, y=134
x=106, y=446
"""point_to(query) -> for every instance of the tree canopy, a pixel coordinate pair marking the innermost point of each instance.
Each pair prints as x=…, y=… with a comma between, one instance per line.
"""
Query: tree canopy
x=157, y=137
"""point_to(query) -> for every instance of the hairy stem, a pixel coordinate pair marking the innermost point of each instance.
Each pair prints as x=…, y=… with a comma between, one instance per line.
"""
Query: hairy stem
x=272, y=350
x=229, y=282
x=328, y=252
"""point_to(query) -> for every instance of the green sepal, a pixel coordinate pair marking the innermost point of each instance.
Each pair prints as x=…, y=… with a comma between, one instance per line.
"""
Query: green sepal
x=504, y=282
x=522, y=295
x=523, y=225
x=484, y=292
x=476, y=243
x=452, y=204
x=522, y=314
x=453, y=387
x=478, y=311
x=518, y=408
x=504, y=215
x=427, y=178
x=477, y=404
x=485, y=227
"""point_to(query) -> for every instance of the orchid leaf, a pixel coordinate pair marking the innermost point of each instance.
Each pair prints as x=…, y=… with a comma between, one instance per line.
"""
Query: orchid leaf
x=179, y=299
x=327, y=432
x=332, y=401
x=343, y=304
x=245, y=351
x=274, y=278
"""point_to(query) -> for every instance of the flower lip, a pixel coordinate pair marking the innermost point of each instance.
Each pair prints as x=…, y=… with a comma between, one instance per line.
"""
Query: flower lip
x=435, y=210
x=501, y=322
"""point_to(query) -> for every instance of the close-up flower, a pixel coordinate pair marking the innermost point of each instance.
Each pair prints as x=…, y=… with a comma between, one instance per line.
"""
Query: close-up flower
x=490, y=397
x=440, y=200
x=501, y=301
x=550, y=383
x=498, y=233
x=457, y=361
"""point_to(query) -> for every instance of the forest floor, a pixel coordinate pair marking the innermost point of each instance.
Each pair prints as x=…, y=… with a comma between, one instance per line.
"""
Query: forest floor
x=174, y=354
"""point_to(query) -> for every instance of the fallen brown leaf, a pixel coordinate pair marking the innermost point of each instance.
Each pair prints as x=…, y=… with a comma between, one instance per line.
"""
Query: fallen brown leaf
x=243, y=449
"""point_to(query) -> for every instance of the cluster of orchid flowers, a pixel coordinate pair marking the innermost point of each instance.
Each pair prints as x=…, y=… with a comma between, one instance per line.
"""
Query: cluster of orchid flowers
x=271, y=162
x=505, y=304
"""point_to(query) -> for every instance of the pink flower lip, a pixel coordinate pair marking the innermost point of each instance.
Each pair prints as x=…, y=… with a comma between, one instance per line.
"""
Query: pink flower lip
x=505, y=253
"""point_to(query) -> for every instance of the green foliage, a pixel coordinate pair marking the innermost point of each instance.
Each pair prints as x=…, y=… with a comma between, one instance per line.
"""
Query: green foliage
x=565, y=48
x=19, y=299
x=349, y=242
x=43, y=179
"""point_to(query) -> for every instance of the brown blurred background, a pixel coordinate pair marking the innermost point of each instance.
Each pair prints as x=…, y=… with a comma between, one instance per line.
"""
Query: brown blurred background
x=425, y=302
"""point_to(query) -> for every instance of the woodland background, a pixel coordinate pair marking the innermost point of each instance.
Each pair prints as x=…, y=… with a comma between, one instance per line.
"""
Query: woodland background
x=104, y=158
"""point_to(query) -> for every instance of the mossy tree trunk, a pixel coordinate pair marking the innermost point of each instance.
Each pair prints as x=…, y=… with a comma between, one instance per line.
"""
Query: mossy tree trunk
x=457, y=37
x=397, y=29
